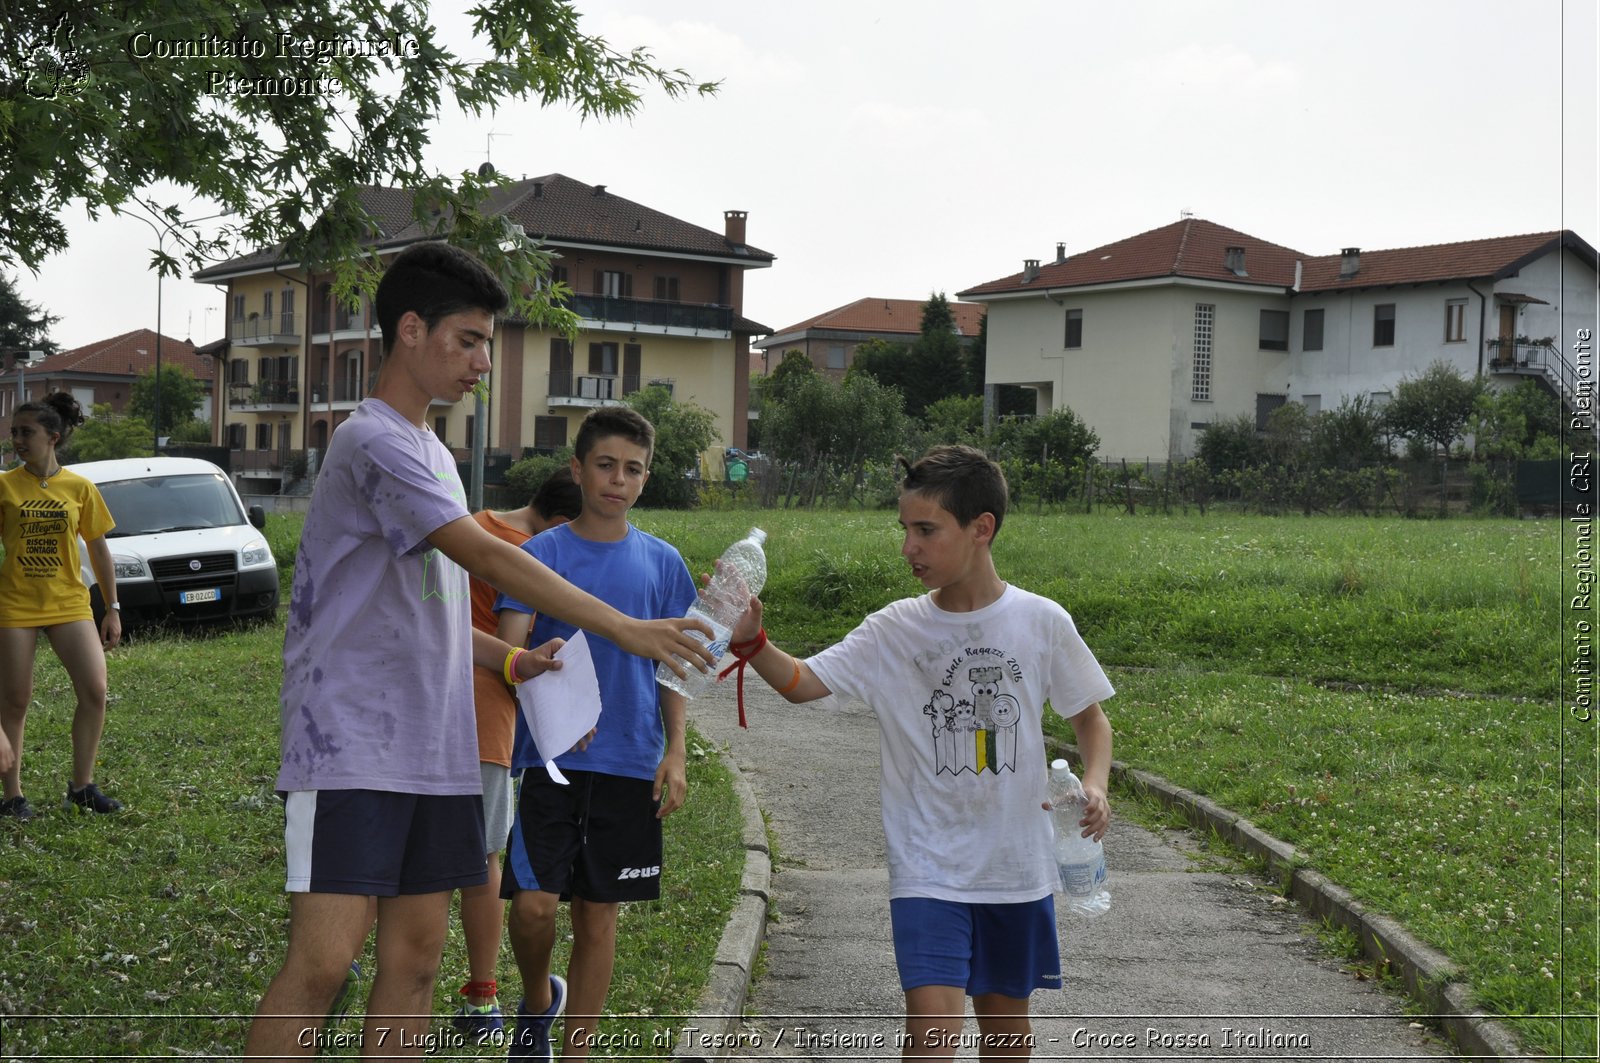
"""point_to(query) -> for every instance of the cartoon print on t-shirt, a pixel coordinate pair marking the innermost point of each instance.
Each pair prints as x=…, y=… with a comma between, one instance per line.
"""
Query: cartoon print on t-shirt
x=977, y=734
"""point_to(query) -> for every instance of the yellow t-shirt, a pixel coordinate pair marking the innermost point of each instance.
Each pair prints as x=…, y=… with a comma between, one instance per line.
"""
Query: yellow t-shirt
x=40, y=584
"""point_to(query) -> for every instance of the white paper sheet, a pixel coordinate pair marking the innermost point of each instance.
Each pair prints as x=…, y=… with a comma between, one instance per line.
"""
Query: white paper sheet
x=563, y=705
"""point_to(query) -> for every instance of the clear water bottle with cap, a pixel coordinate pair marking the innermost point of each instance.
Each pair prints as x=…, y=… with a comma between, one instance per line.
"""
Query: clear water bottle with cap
x=740, y=573
x=1080, y=861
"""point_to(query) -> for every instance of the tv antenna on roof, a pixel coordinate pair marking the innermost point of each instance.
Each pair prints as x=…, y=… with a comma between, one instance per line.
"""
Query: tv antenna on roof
x=488, y=151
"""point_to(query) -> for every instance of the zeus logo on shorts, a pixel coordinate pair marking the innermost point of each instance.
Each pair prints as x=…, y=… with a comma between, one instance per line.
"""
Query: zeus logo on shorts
x=639, y=872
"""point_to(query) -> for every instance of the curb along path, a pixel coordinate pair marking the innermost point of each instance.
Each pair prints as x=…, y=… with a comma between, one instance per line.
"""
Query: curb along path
x=1189, y=964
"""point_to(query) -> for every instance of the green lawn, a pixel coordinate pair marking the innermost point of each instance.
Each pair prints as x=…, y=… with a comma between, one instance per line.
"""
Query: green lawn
x=162, y=925
x=1382, y=694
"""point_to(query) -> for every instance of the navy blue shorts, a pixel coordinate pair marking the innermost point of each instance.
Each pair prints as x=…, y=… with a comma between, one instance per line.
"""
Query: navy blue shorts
x=597, y=838
x=1008, y=949
x=381, y=844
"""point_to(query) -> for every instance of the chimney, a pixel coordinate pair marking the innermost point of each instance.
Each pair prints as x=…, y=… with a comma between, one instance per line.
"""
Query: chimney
x=1061, y=253
x=1349, y=262
x=599, y=190
x=1233, y=258
x=538, y=190
x=1030, y=270
x=733, y=226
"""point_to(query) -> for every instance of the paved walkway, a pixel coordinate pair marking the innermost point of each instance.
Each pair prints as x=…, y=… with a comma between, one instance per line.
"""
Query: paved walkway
x=1190, y=963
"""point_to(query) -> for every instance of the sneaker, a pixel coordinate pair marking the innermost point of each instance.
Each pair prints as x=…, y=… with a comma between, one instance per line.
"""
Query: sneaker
x=531, y=1043
x=89, y=799
x=17, y=808
x=478, y=1019
x=342, y=999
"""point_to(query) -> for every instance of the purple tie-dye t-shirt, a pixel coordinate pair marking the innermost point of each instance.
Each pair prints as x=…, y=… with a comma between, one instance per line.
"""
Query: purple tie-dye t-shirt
x=377, y=656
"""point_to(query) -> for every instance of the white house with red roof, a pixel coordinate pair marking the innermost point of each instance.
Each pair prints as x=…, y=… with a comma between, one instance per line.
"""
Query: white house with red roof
x=1153, y=338
x=830, y=339
x=104, y=372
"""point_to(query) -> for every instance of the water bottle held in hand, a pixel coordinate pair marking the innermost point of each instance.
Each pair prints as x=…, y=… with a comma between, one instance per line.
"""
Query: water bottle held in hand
x=740, y=574
x=1080, y=861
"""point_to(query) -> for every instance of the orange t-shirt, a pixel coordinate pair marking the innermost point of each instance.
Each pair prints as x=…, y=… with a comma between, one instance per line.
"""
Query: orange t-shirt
x=495, y=704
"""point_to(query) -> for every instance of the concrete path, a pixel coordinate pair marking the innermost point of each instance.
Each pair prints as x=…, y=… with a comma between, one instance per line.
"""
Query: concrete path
x=1190, y=963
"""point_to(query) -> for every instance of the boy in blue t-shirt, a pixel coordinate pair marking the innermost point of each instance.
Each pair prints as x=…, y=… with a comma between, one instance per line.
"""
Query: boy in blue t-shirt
x=595, y=842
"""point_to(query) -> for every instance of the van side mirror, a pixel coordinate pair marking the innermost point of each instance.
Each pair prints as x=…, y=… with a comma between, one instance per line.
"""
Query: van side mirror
x=258, y=517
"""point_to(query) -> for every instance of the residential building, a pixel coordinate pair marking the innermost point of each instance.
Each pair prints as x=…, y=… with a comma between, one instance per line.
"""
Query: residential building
x=830, y=339
x=660, y=301
x=103, y=372
x=1153, y=338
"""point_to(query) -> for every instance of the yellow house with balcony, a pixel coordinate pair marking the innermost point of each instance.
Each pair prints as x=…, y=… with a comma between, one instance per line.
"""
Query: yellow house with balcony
x=660, y=302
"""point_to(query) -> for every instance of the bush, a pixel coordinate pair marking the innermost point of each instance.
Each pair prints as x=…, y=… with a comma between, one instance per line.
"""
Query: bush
x=1232, y=445
x=525, y=476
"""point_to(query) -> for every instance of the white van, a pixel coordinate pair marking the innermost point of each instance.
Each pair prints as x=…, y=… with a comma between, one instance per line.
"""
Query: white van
x=184, y=548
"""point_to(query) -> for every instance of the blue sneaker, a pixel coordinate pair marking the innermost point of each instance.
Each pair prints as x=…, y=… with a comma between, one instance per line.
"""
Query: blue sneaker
x=531, y=1043
x=478, y=1019
x=89, y=799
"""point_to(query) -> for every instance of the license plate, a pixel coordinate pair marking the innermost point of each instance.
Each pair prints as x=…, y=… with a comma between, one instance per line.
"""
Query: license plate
x=210, y=594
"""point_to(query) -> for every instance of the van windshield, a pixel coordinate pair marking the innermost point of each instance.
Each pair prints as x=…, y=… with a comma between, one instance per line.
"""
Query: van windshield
x=170, y=503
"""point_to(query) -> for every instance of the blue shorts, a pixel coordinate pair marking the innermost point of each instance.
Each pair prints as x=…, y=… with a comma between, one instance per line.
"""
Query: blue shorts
x=381, y=844
x=1008, y=949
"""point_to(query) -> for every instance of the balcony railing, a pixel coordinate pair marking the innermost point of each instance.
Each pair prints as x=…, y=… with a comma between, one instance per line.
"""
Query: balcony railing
x=592, y=387
x=265, y=393
x=256, y=331
x=343, y=321
x=343, y=391
x=698, y=317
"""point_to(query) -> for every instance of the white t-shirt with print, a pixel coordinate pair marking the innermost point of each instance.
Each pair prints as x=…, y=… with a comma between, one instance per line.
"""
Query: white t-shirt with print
x=960, y=700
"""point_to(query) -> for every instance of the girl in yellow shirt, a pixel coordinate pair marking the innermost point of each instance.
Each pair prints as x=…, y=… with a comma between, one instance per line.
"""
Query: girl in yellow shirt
x=44, y=510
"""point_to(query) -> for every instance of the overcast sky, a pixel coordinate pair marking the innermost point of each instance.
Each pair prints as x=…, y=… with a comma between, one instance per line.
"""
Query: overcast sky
x=893, y=148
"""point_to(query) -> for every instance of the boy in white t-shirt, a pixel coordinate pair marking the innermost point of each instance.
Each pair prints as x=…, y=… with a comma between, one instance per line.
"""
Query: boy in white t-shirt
x=958, y=680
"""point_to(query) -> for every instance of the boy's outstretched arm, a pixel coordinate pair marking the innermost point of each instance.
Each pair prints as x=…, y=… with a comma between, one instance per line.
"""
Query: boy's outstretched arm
x=787, y=675
x=523, y=577
x=491, y=652
x=1093, y=732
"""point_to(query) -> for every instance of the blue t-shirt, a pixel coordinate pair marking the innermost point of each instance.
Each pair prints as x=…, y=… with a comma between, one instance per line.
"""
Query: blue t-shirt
x=640, y=576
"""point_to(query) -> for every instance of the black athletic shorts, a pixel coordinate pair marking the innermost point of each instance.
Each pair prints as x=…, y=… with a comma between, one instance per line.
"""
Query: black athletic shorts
x=597, y=838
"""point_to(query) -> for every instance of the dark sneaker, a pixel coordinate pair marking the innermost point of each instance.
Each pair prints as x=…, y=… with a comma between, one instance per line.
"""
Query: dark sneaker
x=478, y=1019
x=342, y=999
x=89, y=799
x=17, y=808
x=531, y=1043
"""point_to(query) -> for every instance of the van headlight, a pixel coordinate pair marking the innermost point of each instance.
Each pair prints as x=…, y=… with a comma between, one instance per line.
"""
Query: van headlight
x=256, y=553
x=128, y=567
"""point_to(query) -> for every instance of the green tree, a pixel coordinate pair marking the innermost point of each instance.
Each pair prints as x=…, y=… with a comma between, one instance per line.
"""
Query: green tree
x=94, y=107
x=782, y=381
x=684, y=431
x=1231, y=445
x=955, y=419
x=1350, y=436
x=181, y=395
x=23, y=326
x=824, y=436
x=105, y=435
x=1519, y=422
x=1433, y=407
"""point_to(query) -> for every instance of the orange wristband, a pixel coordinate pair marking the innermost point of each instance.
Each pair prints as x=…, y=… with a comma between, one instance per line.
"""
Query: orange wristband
x=795, y=681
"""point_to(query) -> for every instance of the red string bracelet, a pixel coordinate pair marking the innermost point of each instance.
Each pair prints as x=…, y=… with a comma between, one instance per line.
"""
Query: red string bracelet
x=744, y=651
x=480, y=989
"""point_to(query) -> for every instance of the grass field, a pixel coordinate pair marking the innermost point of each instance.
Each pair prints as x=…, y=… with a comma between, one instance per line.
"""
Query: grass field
x=1382, y=694
x=155, y=932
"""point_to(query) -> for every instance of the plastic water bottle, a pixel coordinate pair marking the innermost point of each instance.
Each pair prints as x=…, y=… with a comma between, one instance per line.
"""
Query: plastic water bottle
x=1080, y=861
x=742, y=572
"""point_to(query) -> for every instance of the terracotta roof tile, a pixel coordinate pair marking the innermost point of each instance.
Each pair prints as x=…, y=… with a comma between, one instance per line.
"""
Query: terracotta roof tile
x=121, y=356
x=888, y=315
x=1433, y=262
x=1192, y=247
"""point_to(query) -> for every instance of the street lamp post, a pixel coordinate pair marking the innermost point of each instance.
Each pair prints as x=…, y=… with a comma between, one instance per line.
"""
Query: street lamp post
x=29, y=358
x=161, y=250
